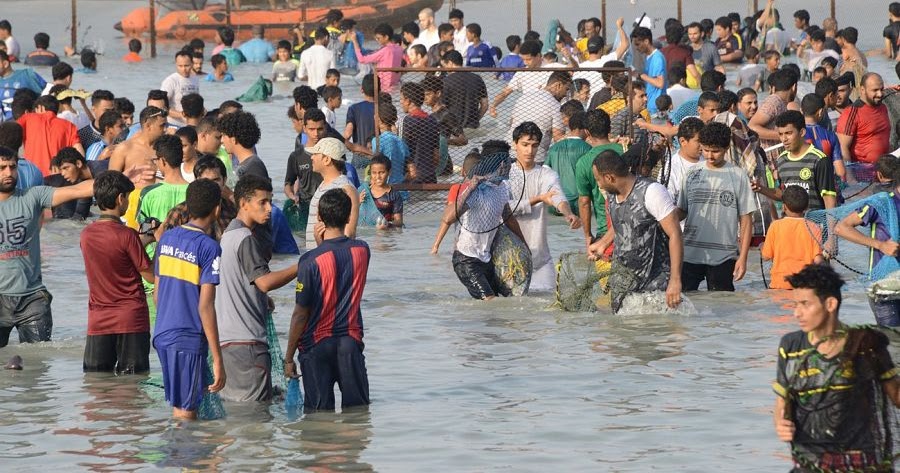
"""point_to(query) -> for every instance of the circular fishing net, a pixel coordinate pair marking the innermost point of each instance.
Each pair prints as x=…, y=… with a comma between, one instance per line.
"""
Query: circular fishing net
x=582, y=284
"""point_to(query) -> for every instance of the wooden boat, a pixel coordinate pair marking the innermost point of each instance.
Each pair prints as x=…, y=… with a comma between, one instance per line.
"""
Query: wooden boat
x=185, y=24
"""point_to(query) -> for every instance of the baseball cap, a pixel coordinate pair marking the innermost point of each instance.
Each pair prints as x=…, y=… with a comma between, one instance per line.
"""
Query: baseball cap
x=595, y=44
x=331, y=147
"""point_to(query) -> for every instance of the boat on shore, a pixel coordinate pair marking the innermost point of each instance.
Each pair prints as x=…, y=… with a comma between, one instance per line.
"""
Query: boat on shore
x=197, y=19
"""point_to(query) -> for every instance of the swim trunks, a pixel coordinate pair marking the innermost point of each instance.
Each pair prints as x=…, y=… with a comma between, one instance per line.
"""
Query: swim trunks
x=183, y=375
x=120, y=353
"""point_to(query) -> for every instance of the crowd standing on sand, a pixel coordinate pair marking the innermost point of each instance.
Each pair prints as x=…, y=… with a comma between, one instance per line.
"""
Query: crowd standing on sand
x=185, y=227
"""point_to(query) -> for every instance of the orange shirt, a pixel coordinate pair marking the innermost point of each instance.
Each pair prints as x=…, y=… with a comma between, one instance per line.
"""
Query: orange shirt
x=791, y=243
x=45, y=135
x=132, y=57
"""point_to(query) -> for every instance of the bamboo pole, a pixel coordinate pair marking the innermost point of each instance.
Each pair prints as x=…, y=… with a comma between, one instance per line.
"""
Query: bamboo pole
x=228, y=12
x=833, y=14
x=679, y=11
x=152, y=28
x=603, y=16
x=74, y=25
x=528, y=14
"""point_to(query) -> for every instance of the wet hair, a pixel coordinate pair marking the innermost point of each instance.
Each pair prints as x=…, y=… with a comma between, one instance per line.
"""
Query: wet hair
x=413, y=92
x=207, y=124
x=792, y=69
x=314, y=115
x=206, y=163
x=306, y=97
x=802, y=15
x=531, y=35
x=197, y=55
x=108, y=186
x=284, y=44
x=411, y=28
x=795, y=198
x=513, y=42
x=771, y=53
x=707, y=97
x=5, y=26
x=100, y=95
x=217, y=59
x=61, y=70
x=580, y=84
x=419, y=49
x=184, y=53
x=189, y=133
x=820, y=70
x=475, y=29
x=333, y=16
x=453, y=57
x=321, y=34
x=42, y=41
x=124, y=106
x=49, y=102
x=530, y=47
x=108, y=120
x=829, y=61
x=334, y=208
x=727, y=99
x=560, y=77
x=597, y=123
x=382, y=160
x=824, y=281
x=88, y=59
x=151, y=112
x=203, y=196
x=230, y=105
x=611, y=162
x=192, y=105
x=227, y=35
x=811, y=104
x=887, y=165
x=817, y=36
x=11, y=135
x=642, y=33
x=445, y=28
x=135, y=46
x=329, y=92
x=158, y=95
x=716, y=134
x=753, y=52
x=247, y=186
x=527, y=129
x=850, y=34
x=387, y=112
x=571, y=108
x=663, y=102
x=168, y=147
x=712, y=80
x=894, y=9
x=576, y=121
x=241, y=126
x=690, y=127
x=706, y=25
x=456, y=14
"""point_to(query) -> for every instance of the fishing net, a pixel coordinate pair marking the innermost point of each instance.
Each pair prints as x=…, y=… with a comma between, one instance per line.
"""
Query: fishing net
x=293, y=396
x=844, y=419
x=512, y=261
x=369, y=215
x=211, y=407
x=295, y=219
x=259, y=91
x=826, y=220
x=480, y=206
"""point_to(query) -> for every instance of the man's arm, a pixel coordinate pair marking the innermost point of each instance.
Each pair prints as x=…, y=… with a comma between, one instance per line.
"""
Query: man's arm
x=758, y=124
x=846, y=229
x=350, y=229
x=846, y=146
x=888, y=48
x=656, y=81
x=82, y=190
x=348, y=130
x=276, y=279
x=289, y=192
x=298, y=324
x=740, y=267
x=211, y=330
x=783, y=427
x=499, y=99
x=584, y=213
x=672, y=227
x=735, y=55
x=623, y=38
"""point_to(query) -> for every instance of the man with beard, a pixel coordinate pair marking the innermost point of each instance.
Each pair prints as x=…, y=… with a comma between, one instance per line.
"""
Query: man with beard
x=864, y=128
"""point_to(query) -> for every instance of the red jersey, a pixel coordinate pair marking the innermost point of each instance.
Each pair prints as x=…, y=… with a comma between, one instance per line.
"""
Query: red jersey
x=870, y=128
x=44, y=135
x=113, y=259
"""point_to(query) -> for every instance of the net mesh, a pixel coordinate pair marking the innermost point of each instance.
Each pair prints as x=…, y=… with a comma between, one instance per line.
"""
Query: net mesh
x=369, y=215
x=841, y=250
x=293, y=396
x=211, y=407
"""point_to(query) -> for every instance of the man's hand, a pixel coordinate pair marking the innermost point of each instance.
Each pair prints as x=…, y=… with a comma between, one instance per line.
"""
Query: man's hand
x=573, y=221
x=620, y=23
x=219, y=375
x=889, y=247
x=673, y=293
x=596, y=250
x=319, y=232
x=290, y=370
x=434, y=249
x=740, y=269
x=141, y=175
x=547, y=197
x=785, y=430
x=362, y=195
x=493, y=111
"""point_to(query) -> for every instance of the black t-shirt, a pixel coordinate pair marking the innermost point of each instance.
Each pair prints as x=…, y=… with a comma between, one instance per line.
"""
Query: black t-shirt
x=78, y=209
x=463, y=92
x=299, y=167
x=892, y=32
x=252, y=165
x=422, y=134
x=831, y=43
x=450, y=123
x=600, y=97
x=89, y=135
x=362, y=116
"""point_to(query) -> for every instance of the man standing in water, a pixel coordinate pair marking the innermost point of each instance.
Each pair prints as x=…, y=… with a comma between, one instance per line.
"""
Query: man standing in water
x=24, y=301
x=648, y=248
x=833, y=383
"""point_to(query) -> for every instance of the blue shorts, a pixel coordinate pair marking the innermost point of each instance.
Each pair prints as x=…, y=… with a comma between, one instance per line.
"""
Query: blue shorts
x=183, y=372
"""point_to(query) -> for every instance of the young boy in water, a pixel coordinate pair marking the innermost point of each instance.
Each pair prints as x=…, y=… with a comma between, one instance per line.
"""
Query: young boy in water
x=118, y=329
x=829, y=382
x=333, y=97
x=328, y=332
x=792, y=242
x=285, y=68
x=388, y=201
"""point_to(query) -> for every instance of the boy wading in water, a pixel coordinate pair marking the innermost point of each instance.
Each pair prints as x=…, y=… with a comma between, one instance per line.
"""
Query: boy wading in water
x=837, y=387
x=327, y=325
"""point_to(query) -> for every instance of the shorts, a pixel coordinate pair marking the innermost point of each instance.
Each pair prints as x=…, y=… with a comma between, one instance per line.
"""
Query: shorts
x=248, y=371
x=887, y=312
x=718, y=278
x=334, y=360
x=183, y=373
x=30, y=315
x=120, y=353
x=478, y=277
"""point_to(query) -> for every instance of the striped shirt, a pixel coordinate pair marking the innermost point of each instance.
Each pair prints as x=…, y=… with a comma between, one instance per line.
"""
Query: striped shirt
x=812, y=171
x=95, y=150
x=330, y=282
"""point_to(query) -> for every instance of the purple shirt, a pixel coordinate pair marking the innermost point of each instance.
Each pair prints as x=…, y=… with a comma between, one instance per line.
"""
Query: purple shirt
x=390, y=55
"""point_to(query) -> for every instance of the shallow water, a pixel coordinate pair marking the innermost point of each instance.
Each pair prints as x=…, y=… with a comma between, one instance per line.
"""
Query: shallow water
x=457, y=384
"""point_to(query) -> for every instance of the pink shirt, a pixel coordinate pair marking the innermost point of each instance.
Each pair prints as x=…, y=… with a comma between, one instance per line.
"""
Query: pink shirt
x=388, y=56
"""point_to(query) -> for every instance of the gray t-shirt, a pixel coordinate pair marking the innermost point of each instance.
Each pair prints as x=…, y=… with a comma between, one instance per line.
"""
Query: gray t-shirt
x=20, y=240
x=714, y=200
x=707, y=57
x=241, y=308
x=252, y=165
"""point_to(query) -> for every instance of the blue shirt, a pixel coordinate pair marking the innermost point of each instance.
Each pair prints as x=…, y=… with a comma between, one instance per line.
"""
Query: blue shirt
x=29, y=175
x=480, y=56
x=186, y=258
x=655, y=66
x=212, y=77
x=825, y=141
x=94, y=150
x=20, y=79
x=351, y=173
x=511, y=60
x=258, y=50
x=397, y=151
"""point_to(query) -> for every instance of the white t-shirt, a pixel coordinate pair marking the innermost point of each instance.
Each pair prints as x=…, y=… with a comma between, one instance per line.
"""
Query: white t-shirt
x=314, y=65
x=594, y=77
x=533, y=219
x=177, y=86
x=540, y=107
x=188, y=176
x=813, y=59
x=476, y=244
x=657, y=200
x=460, y=42
x=80, y=120
x=12, y=47
x=429, y=38
x=526, y=81
x=681, y=94
x=330, y=116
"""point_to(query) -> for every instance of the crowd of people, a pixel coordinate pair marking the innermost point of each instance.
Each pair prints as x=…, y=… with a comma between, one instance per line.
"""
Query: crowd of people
x=666, y=170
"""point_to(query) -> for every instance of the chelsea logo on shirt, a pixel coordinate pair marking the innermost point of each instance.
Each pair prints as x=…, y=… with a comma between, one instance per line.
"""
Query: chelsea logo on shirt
x=805, y=174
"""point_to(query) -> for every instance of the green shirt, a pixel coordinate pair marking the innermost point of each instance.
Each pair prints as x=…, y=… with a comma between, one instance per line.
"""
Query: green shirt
x=562, y=158
x=157, y=200
x=587, y=185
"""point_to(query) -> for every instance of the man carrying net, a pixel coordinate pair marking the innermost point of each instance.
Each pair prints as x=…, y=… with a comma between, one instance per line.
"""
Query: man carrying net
x=646, y=232
x=837, y=388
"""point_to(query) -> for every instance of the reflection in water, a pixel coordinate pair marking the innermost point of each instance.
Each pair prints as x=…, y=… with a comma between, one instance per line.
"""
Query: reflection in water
x=332, y=442
x=642, y=339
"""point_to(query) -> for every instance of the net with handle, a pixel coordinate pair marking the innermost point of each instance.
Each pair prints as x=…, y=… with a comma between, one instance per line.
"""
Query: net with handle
x=369, y=215
x=826, y=220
